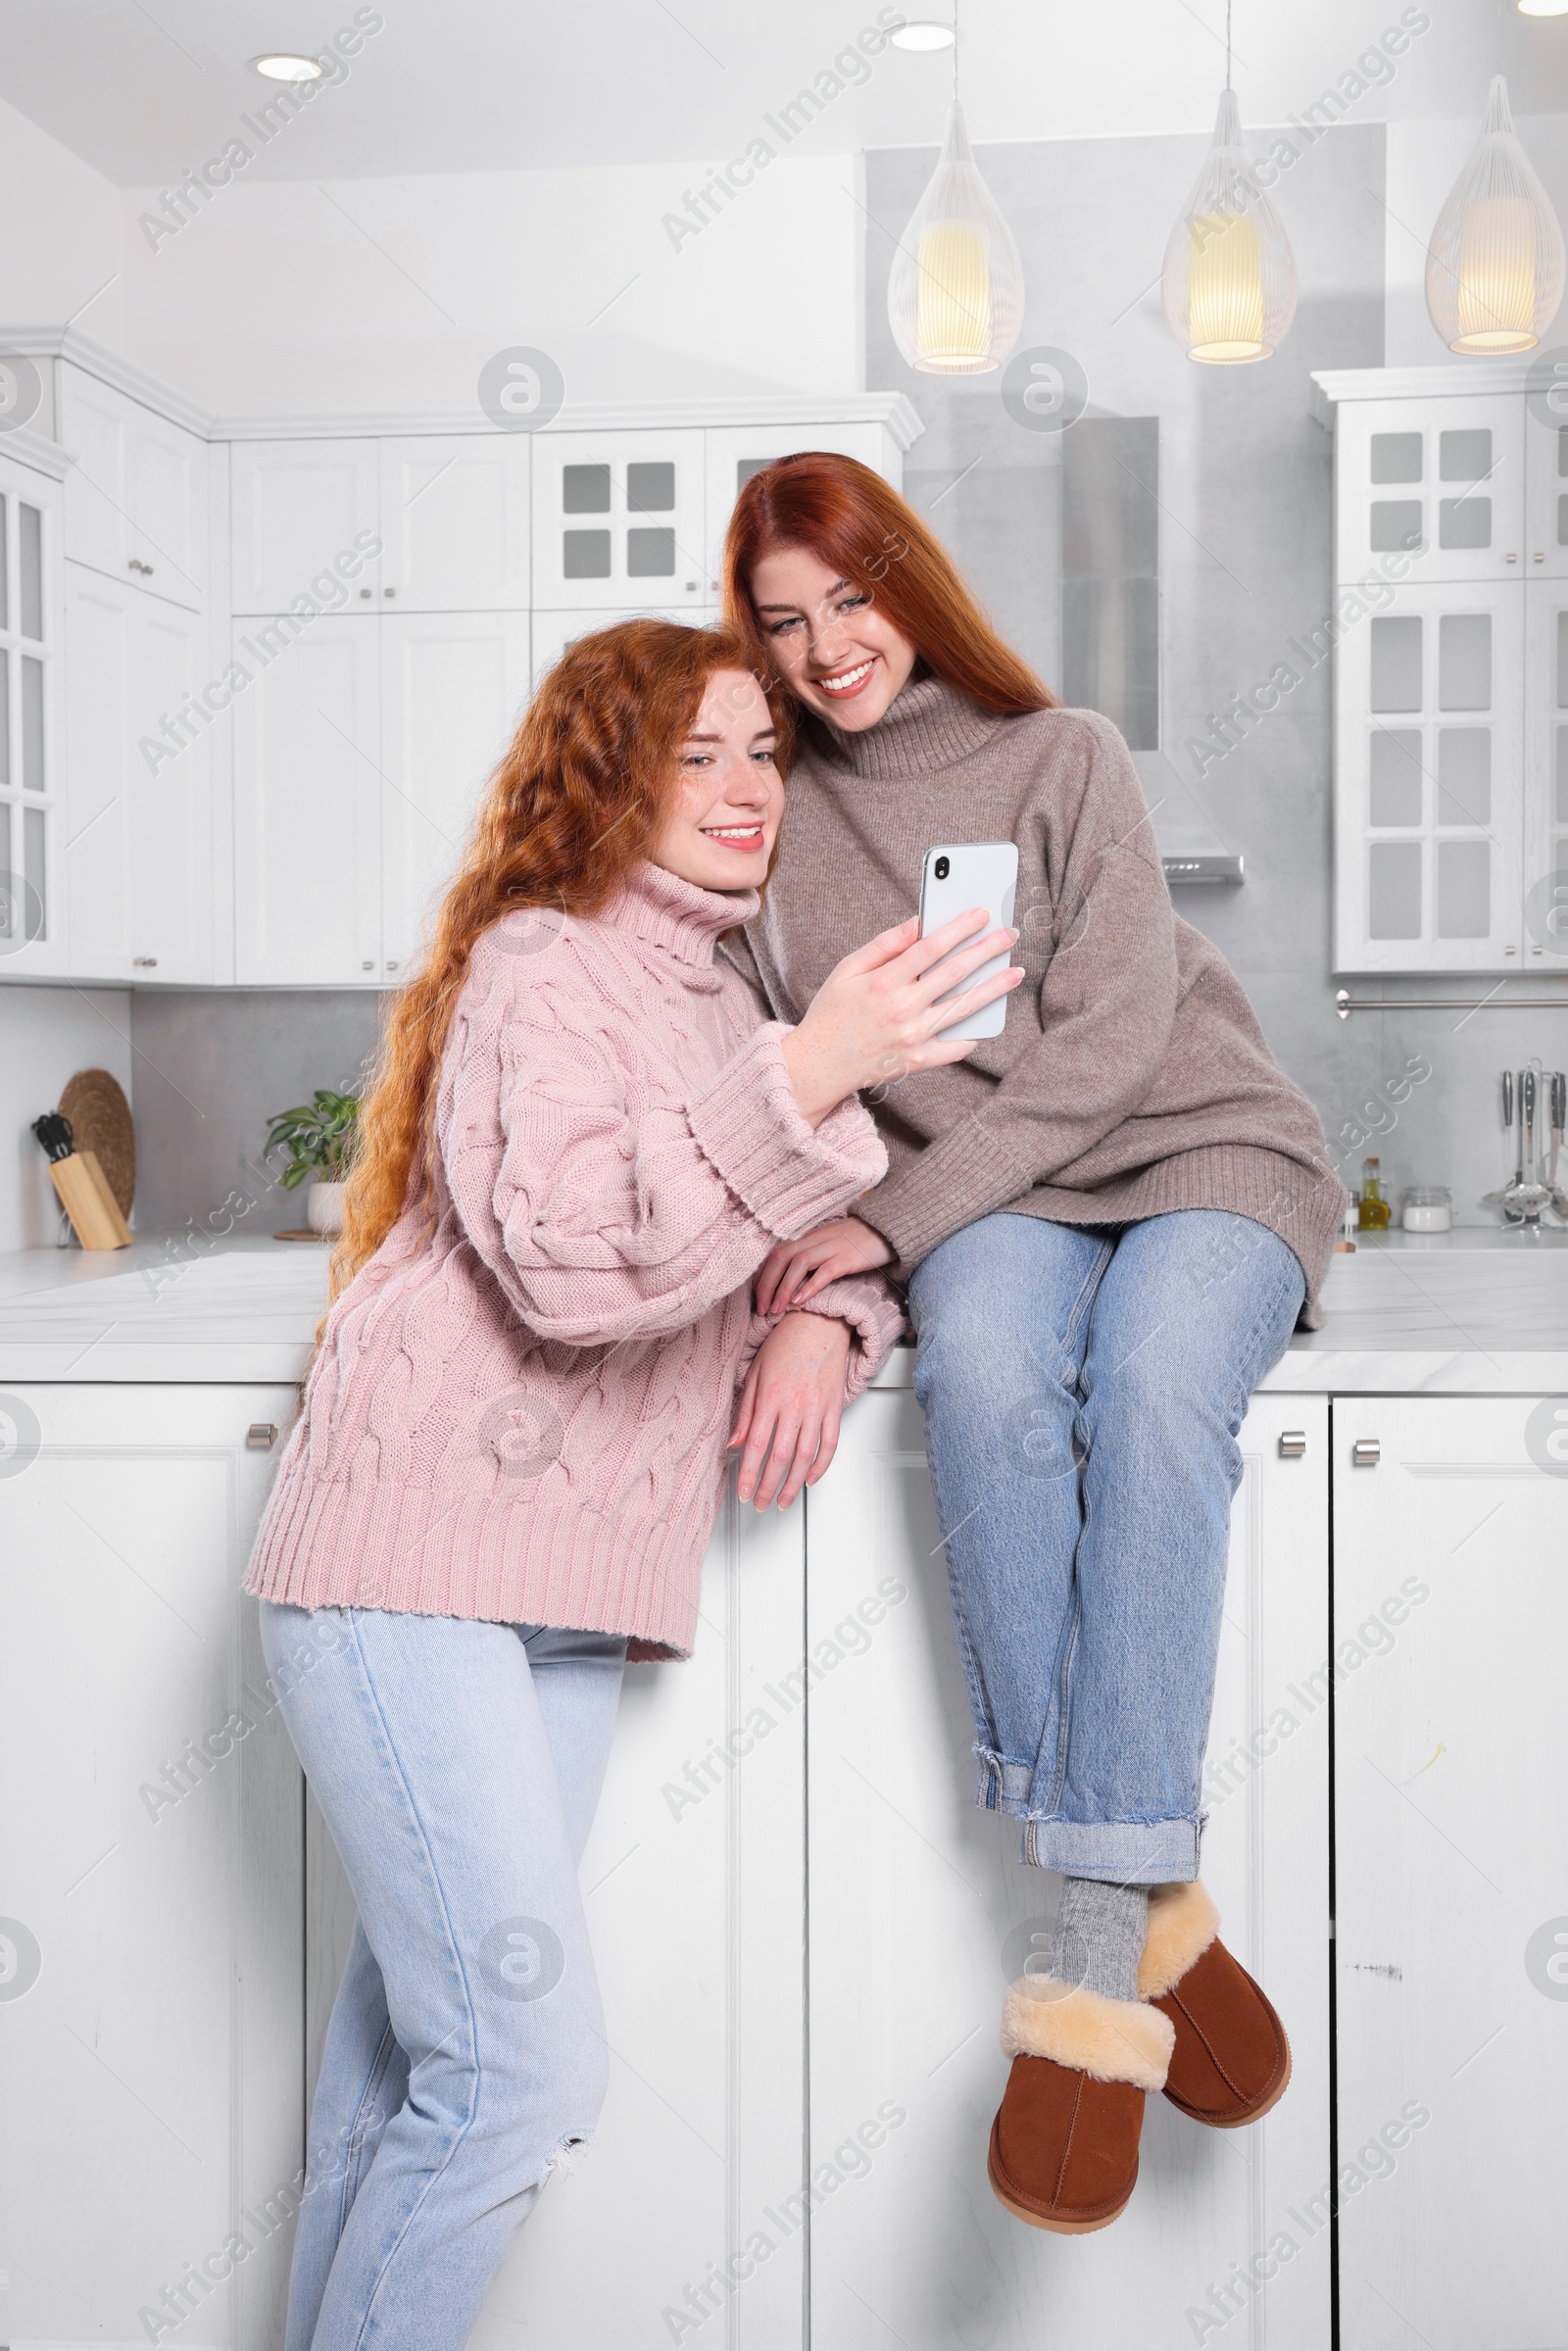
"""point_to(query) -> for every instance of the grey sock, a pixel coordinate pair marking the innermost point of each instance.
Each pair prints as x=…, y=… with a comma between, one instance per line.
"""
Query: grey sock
x=1100, y=1937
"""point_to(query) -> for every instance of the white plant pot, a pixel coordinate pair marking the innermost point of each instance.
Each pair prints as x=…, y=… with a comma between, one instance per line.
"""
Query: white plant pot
x=324, y=1207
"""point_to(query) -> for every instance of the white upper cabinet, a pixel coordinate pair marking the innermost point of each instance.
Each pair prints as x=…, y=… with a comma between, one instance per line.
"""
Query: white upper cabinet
x=734, y=453
x=452, y=686
x=139, y=804
x=619, y=522
x=136, y=495
x=307, y=805
x=32, y=929
x=1440, y=482
x=1451, y=676
x=1545, y=547
x=306, y=525
x=455, y=523
x=1430, y=761
x=552, y=632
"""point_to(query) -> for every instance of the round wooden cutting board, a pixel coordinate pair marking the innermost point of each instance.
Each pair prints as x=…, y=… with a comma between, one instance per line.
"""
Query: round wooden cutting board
x=101, y=1123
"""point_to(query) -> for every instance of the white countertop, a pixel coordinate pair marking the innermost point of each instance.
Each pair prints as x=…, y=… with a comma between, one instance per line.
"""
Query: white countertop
x=1473, y=1313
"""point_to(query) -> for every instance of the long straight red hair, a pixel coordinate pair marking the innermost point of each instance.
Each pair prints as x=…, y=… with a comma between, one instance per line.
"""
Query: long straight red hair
x=851, y=520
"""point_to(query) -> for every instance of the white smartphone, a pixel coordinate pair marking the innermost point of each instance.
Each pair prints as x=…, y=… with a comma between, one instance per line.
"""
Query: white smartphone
x=956, y=876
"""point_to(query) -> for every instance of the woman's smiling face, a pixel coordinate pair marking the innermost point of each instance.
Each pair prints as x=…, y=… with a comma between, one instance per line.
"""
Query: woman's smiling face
x=722, y=822
x=836, y=653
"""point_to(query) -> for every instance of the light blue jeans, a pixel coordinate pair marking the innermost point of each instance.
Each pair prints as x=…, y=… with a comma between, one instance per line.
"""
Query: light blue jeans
x=1083, y=1387
x=458, y=1766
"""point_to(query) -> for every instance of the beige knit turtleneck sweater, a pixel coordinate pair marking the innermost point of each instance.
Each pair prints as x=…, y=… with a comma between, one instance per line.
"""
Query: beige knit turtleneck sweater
x=1131, y=1078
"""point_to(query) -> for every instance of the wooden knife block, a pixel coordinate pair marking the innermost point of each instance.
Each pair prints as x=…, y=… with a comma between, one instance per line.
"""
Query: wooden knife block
x=87, y=1200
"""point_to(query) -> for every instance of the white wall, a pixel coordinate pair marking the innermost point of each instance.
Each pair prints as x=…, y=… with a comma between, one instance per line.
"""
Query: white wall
x=378, y=293
x=46, y=1035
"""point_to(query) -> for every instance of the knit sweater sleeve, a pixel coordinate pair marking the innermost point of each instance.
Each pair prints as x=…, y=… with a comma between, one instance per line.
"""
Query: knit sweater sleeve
x=607, y=1216
x=1107, y=1007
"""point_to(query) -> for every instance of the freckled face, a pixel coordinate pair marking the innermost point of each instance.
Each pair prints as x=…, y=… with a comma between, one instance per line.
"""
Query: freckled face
x=721, y=825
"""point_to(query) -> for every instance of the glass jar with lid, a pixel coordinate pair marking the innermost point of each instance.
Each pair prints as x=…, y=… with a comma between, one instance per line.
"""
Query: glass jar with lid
x=1426, y=1208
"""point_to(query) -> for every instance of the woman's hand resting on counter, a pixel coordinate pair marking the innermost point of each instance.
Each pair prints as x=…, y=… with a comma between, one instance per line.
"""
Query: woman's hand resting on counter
x=790, y=1409
x=794, y=1271
x=876, y=1016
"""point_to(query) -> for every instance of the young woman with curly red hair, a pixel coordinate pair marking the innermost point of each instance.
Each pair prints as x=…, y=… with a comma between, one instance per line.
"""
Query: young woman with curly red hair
x=582, y=1143
x=1107, y=1219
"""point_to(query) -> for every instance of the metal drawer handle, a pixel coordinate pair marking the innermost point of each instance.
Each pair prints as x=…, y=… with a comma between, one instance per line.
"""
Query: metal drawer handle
x=1366, y=1453
x=1293, y=1444
x=261, y=1435
x=145, y=962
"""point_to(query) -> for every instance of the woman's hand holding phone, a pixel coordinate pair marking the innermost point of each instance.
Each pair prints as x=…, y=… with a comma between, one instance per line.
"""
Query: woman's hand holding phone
x=876, y=1015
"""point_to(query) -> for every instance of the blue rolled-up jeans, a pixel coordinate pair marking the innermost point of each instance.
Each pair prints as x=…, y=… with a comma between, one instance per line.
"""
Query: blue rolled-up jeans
x=458, y=1765
x=1083, y=1387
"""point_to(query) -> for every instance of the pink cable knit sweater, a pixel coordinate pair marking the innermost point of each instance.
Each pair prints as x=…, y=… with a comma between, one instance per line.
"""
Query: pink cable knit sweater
x=522, y=1416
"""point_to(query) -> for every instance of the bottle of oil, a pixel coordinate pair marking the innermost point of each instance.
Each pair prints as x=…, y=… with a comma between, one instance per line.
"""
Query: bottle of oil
x=1374, y=1215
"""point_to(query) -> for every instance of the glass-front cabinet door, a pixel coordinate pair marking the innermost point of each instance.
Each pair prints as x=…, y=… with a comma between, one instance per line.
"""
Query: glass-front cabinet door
x=1545, y=549
x=617, y=523
x=1545, y=944
x=1429, y=765
x=31, y=923
x=1438, y=483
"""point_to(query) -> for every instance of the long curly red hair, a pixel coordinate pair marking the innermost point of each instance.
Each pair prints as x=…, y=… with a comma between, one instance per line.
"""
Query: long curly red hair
x=574, y=804
x=853, y=519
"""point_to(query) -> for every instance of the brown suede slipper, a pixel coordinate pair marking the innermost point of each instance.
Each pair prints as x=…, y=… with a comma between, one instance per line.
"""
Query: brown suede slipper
x=1065, y=2144
x=1231, y=2061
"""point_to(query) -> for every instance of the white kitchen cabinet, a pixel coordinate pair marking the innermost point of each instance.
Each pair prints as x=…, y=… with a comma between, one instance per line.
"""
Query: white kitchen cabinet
x=1545, y=553
x=1430, y=781
x=153, y=2069
x=922, y=1913
x=33, y=921
x=453, y=687
x=308, y=797
x=455, y=523
x=733, y=453
x=139, y=864
x=136, y=495
x=1451, y=1928
x=619, y=522
x=304, y=512
x=1544, y=943
x=1440, y=481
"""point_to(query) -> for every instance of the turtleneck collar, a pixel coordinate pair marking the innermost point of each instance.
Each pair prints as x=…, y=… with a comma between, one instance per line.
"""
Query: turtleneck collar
x=660, y=906
x=929, y=725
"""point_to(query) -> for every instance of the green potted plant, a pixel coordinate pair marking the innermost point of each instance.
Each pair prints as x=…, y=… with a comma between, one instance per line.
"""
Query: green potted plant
x=318, y=1137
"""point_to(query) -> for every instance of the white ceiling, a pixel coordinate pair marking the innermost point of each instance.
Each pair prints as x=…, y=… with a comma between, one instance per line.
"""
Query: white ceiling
x=141, y=90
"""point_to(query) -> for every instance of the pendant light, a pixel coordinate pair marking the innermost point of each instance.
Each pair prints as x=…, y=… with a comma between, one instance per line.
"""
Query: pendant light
x=956, y=287
x=1495, y=264
x=1229, y=280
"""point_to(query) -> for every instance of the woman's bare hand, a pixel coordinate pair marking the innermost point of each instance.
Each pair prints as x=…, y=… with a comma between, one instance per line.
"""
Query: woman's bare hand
x=790, y=1407
x=794, y=1271
x=876, y=1015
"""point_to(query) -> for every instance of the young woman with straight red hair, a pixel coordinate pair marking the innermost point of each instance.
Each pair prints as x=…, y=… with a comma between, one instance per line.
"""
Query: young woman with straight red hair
x=1108, y=1219
x=582, y=1143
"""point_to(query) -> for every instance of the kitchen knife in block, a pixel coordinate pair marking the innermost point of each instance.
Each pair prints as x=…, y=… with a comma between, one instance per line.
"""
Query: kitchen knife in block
x=87, y=1200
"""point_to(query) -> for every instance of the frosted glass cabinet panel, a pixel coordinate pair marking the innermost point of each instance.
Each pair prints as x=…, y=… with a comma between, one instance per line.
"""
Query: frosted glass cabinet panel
x=1430, y=761
x=1437, y=481
x=619, y=522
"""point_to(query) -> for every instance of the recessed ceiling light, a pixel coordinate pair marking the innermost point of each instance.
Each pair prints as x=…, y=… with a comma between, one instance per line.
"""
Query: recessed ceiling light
x=1544, y=8
x=937, y=36
x=288, y=69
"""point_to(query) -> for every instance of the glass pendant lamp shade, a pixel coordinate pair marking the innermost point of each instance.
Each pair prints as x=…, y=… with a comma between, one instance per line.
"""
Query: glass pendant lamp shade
x=1228, y=281
x=955, y=289
x=1495, y=264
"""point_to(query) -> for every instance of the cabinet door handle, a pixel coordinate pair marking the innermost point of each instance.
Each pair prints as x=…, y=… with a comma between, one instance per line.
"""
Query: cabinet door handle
x=261, y=1435
x=1293, y=1444
x=364, y=591
x=1366, y=1453
x=145, y=962
x=389, y=591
